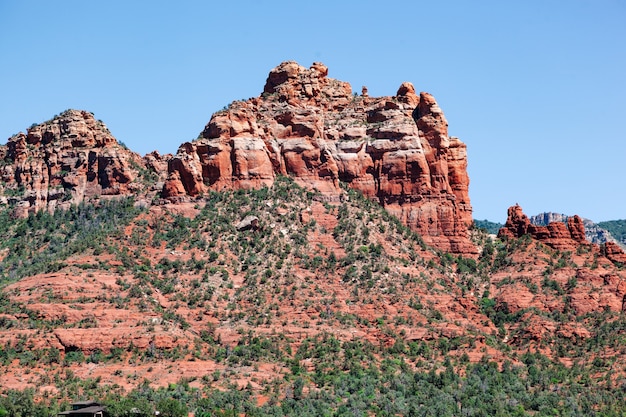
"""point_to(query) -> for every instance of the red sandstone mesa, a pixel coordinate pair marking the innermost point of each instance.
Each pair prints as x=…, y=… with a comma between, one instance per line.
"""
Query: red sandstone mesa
x=394, y=149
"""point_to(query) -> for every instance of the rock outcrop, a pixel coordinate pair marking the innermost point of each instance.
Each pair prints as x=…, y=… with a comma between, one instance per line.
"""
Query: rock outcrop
x=394, y=149
x=614, y=252
x=587, y=274
x=66, y=160
x=593, y=232
x=557, y=234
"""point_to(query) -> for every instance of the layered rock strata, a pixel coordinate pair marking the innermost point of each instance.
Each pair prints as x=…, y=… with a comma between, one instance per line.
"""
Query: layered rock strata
x=593, y=232
x=394, y=149
x=562, y=235
x=66, y=160
x=558, y=235
x=614, y=252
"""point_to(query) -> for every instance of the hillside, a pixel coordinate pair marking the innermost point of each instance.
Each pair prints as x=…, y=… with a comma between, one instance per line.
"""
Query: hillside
x=250, y=274
x=315, y=296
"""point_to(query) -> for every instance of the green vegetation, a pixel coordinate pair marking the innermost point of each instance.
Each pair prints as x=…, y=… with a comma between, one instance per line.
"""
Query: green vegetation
x=489, y=226
x=42, y=242
x=330, y=308
x=617, y=228
x=349, y=385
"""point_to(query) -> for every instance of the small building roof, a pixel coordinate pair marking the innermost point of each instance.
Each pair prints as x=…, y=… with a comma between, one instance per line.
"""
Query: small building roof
x=92, y=410
x=85, y=403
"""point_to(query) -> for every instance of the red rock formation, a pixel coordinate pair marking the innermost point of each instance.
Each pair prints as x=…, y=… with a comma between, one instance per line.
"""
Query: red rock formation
x=613, y=252
x=394, y=149
x=557, y=235
x=66, y=160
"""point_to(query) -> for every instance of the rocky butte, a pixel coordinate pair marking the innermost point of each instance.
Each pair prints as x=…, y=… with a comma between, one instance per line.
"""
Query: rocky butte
x=394, y=149
x=560, y=235
x=237, y=291
x=67, y=160
x=593, y=232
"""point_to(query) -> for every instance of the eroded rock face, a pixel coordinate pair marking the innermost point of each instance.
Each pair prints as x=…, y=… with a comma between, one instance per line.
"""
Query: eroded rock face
x=593, y=232
x=66, y=160
x=614, y=252
x=305, y=125
x=557, y=234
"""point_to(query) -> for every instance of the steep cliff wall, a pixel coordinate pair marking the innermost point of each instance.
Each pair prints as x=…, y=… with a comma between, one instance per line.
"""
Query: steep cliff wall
x=394, y=149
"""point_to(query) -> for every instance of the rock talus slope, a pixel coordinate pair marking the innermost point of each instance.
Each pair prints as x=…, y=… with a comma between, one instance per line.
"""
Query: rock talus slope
x=306, y=125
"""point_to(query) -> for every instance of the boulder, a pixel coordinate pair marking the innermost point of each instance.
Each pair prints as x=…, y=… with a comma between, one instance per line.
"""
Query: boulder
x=248, y=223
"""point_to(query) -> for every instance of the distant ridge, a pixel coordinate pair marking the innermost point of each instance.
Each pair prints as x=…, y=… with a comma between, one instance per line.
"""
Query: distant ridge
x=593, y=231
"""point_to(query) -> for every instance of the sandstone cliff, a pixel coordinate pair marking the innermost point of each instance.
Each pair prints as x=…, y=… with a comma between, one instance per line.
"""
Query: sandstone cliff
x=394, y=149
x=562, y=235
x=593, y=232
x=557, y=234
x=68, y=159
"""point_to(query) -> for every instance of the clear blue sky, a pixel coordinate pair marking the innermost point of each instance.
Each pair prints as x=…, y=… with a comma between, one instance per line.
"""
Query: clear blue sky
x=535, y=88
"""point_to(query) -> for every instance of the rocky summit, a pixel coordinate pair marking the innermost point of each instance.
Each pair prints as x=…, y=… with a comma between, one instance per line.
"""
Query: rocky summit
x=394, y=149
x=311, y=253
x=557, y=234
x=67, y=160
